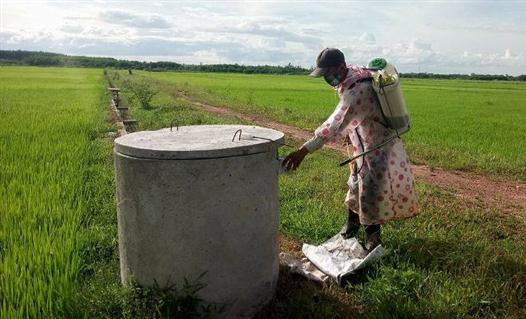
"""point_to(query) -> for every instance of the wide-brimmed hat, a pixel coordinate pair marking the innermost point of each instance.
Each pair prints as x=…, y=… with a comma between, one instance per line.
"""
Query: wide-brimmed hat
x=327, y=58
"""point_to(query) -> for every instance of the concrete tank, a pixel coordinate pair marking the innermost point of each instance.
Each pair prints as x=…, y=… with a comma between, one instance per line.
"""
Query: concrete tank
x=198, y=199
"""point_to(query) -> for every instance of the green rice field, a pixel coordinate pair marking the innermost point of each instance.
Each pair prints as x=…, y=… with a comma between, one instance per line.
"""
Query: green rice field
x=451, y=261
x=473, y=126
x=48, y=119
x=58, y=227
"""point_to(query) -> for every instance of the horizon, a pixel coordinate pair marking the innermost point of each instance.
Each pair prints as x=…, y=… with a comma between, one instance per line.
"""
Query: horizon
x=243, y=65
x=428, y=37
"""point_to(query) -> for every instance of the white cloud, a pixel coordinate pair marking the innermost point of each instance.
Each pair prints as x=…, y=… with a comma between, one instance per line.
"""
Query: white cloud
x=70, y=28
x=272, y=30
x=507, y=58
x=121, y=17
x=367, y=37
x=429, y=37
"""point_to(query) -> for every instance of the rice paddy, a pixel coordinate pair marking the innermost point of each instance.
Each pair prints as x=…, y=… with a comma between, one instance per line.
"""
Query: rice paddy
x=48, y=120
x=58, y=229
x=456, y=124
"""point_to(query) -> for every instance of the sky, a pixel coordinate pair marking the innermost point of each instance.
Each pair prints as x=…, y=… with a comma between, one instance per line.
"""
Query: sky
x=417, y=36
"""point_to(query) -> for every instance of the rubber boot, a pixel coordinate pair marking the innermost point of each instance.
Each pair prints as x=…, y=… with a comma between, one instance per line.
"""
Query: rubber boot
x=372, y=237
x=352, y=226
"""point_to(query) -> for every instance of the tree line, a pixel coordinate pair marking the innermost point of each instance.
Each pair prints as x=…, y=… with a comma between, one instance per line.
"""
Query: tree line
x=39, y=58
x=53, y=59
x=472, y=76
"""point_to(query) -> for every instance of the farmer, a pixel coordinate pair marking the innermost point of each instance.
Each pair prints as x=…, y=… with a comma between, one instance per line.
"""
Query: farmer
x=381, y=184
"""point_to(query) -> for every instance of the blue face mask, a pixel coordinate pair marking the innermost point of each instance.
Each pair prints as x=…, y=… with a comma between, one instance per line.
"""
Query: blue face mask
x=333, y=79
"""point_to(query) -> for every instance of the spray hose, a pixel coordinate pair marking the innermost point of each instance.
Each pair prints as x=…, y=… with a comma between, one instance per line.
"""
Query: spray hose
x=354, y=158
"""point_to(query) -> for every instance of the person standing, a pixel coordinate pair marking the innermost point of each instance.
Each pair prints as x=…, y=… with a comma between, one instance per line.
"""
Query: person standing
x=381, y=183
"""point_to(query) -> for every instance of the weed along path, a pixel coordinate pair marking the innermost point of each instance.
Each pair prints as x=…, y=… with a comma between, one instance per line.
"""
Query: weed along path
x=505, y=195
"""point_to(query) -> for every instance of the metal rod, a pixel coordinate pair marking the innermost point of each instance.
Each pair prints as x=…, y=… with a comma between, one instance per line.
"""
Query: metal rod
x=234, y=137
x=349, y=160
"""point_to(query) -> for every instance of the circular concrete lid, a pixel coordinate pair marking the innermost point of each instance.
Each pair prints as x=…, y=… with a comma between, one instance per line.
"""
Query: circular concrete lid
x=199, y=141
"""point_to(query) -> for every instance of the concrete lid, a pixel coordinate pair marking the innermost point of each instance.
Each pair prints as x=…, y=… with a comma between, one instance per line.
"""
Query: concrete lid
x=198, y=141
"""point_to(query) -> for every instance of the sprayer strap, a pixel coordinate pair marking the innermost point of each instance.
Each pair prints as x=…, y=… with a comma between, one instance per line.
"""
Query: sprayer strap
x=359, y=81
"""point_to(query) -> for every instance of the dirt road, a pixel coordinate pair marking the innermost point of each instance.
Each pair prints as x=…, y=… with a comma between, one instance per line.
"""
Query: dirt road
x=496, y=192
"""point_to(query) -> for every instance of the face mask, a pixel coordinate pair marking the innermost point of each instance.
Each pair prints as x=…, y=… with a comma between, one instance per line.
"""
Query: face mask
x=333, y=80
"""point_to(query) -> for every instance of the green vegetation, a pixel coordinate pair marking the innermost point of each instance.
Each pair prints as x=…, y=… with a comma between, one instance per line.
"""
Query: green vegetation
x=53, y=59
x=466, y=125
x=141, y=90
x=451, y=261
x=58, y=228
x=47, y=127
x=19, y=57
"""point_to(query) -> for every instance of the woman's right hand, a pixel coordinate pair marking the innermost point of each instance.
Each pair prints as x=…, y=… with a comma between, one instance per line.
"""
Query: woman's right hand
x=294, y=159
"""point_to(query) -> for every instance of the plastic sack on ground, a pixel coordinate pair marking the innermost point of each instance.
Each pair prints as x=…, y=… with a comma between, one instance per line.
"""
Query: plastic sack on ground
x=336, y=258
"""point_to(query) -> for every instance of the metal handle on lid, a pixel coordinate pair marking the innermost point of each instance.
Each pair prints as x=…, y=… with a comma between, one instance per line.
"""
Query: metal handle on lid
x=172, y=125
x=234, y=137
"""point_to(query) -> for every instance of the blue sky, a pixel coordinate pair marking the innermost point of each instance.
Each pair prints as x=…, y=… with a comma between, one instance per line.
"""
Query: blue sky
x=433, y=36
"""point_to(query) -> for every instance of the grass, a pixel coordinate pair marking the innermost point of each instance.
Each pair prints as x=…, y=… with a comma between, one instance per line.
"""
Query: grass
x=457, y=124
x=448, y=262
x=58, y=227
x=451, y=261
x=58, y=230
x=45, y=133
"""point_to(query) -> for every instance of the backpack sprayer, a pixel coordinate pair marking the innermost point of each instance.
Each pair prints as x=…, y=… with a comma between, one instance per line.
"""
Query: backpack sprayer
x=386, y=84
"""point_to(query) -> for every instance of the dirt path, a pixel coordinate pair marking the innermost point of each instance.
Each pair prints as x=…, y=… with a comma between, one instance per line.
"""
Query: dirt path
x=505, y=195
